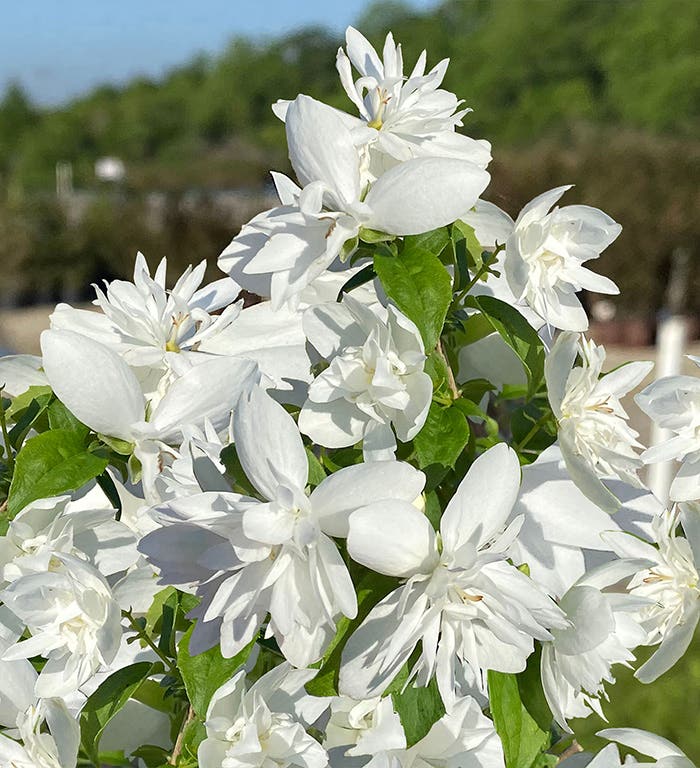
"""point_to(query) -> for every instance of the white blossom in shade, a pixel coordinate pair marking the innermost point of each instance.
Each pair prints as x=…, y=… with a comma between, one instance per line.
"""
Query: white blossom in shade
x=73, y=619
x=363, y=727
x=559, y=546
x=143, y=320
x=410, y=116
x=282, y=251
x=375, y=381
x=247, y=558
x=673, y=403
x=19, y=372
x=47, y=526
x=603, y=630
x=462, y=598
x=671, y=584
x=49, y=737
x=665, y=753
x=545, y=254
x=263, y=727
x=463, y=736
x=594, y=435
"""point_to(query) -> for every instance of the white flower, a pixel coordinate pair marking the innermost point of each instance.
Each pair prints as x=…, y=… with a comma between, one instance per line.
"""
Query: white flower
x=73, y=619
x=672, y=584
x=50, y=737
x=143, y=321
x=674, y=403
x=562, y=528
x=282, y=251
x=665, y=754
x=545, y=254
x=577, y=661
x=375, y=379
x=595, y=439
x=463, y=736
x=462, y=598
x=263, y=727
x=102, y=391
x=411, y=116
x=364, y=727
x=47, y=526
x=249, y=557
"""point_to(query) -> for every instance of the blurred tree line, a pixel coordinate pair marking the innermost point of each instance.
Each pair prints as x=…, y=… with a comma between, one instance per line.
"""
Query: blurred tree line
x=605, y=95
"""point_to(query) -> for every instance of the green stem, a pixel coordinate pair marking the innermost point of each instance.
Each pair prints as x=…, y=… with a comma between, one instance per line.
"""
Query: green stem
x=169, y=663
x=5, y=435
x=486, y=265
x=535, y=429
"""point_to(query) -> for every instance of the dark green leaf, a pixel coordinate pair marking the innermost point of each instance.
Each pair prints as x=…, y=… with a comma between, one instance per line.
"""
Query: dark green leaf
x=50, y=464
x=152, y=756
x=108, y=699
x=418, y=709
x=365, y=275
x=521, y=736
x=532, y=693
x=421, y=288
x=518, y=334
x=206, y=672
x=443, y=437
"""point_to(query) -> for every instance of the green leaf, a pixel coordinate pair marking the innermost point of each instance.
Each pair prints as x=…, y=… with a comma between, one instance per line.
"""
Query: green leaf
x=50, y=464
x=317, y=474
x=194, y=735
x=518, y=334
x=532, y=693
x=61, y=418
x=521, y=736
x=365, y=275
x=434, y=241
x=421, y=288
x=108, y=699
x=418, y=709
x=443, y=437
x=375, y=236
x=152, y=756
x=40, y=393
x=206, y=672
x=371, y=588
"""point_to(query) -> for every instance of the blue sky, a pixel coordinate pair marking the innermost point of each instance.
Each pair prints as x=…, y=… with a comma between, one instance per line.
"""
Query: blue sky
x=58, y=49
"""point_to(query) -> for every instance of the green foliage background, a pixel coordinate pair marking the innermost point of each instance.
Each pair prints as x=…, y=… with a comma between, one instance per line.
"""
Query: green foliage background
x=602, y=94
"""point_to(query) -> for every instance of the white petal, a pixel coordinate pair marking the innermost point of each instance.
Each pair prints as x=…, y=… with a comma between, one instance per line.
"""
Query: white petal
x=672, y=648
x=557, y=367
x=269, y=444
x=93, y=382
x=423, y=194
x=353, y=487
x=392, y=537
x=484, y=499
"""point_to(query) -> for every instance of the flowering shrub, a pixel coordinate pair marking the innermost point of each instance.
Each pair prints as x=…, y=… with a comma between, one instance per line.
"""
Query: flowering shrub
x=389, y=516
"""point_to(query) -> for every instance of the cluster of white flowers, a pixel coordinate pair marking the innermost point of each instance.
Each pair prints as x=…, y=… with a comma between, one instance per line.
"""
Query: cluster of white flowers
x=313, y=544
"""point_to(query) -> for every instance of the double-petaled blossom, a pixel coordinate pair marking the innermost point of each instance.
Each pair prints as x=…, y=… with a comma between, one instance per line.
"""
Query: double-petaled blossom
x=674, y=404
x=671, y=584
x=73, y=620
x=47, y=526
x=375, y=380
x=462, y=598
x=142, y=320
x=264, y=726
x=593, y=431
x=249, y=557
x=409, y=115
x=602, y=630
x=372, y=730
x=282, y=251
x=545, y=254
